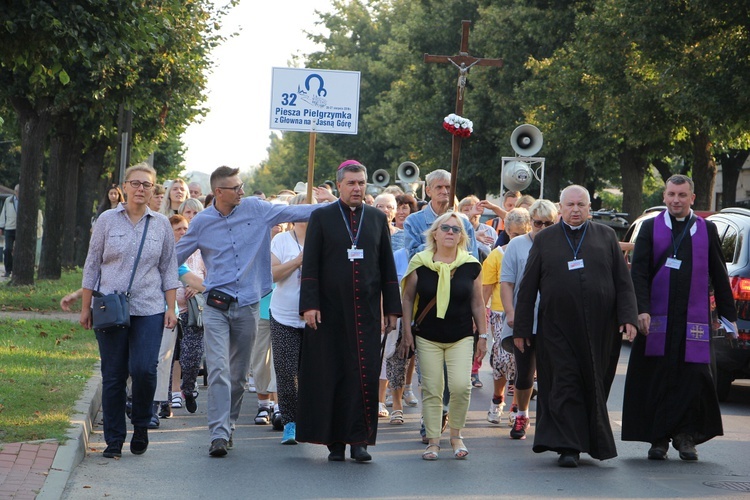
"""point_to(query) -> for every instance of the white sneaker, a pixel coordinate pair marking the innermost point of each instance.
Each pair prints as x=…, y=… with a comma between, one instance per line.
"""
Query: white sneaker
x=495, y=413
x=251, y=385
x=512, y=415
x=388, y=398
x=410, y=399
x=176, y=400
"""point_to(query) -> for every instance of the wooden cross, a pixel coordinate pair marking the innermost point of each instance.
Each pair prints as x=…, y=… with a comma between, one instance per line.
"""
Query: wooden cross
x=463, y=62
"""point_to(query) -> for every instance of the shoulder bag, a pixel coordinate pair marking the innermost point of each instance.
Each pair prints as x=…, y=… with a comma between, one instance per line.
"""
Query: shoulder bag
x=196, y=303
x=113, y=310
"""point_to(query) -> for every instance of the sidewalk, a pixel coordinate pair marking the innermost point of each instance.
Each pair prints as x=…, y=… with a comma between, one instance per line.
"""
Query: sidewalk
x=41, y=469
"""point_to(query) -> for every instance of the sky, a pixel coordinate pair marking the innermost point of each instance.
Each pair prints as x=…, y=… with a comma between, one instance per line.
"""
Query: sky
x=235, y=132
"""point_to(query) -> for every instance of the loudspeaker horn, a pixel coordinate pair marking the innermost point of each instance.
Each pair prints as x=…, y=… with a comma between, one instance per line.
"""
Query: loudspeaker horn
x=517, y=175
x=526, y=140
x=381, y=178
x=408, y=172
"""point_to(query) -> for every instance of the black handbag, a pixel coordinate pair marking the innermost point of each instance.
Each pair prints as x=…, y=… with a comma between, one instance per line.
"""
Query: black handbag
x=112, y=311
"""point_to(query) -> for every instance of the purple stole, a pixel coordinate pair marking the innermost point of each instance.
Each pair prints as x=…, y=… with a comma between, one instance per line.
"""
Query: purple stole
x=698, y=332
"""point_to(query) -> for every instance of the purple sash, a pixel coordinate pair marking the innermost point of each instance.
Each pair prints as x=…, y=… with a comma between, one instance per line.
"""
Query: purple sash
x=697, y=332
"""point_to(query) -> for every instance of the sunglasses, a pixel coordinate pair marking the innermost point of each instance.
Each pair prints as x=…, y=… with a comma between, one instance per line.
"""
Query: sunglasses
x=236, y=189
x=447, y=229
x=540, y=223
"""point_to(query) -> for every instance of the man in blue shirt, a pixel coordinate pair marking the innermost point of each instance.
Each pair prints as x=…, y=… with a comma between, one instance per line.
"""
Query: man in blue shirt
x=437, y=187
x=234, y=237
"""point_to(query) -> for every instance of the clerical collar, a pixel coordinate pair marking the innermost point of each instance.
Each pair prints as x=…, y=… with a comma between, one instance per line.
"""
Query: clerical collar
x=575, y=228
x=353, y=209
x=683, y=219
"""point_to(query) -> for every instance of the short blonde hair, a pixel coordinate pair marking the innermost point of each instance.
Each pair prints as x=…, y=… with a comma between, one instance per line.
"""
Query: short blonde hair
x=193, y=203
x=543, y=209
x=526, y=199
x=141, y=167
x=520, y=217
x=469, y=200
x=463, y=238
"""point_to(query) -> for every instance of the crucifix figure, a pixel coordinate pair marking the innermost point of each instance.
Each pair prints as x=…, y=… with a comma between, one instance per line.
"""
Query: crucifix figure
x=463, y=62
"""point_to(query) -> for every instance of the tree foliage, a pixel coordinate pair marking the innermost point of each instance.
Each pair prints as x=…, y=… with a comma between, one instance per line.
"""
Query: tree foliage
x=616, y=86
x=67, y=67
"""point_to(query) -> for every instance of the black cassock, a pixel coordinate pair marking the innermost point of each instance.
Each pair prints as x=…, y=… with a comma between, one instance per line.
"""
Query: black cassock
x=340, y=361
x=578, y=340
x=664, y=395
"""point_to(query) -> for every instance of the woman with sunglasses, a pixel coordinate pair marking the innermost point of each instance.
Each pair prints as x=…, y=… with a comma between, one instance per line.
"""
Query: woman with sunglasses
x=445, y=282
x=543, y=214
x=131, y=350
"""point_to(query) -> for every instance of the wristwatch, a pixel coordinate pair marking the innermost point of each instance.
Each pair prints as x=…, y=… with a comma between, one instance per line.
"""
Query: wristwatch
x=483, y=336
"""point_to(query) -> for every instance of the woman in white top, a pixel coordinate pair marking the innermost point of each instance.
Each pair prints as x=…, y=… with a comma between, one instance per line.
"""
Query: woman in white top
x=287, y=326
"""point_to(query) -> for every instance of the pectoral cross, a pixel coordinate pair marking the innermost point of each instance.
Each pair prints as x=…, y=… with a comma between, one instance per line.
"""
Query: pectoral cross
x=463, y=62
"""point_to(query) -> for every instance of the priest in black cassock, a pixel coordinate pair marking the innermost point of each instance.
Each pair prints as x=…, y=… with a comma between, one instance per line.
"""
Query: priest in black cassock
x=586, y=303
x=347, y=268
x=669, y=389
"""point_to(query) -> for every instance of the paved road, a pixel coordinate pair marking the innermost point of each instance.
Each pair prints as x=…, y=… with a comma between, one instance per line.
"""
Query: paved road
x=177, y=463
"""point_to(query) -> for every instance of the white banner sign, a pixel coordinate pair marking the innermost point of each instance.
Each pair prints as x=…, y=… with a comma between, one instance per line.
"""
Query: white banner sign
x=307, y=100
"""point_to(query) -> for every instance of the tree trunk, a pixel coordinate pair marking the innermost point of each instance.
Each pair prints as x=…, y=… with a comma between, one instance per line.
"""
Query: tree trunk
x=92, y=167
x=731, y=166
x=663, y=168
x=35, y=122
x=633, y=167
x=70, y=205
x=704, y=171
x=50, y=265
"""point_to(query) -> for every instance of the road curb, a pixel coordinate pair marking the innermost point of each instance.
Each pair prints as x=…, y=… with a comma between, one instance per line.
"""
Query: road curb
x=71, y=454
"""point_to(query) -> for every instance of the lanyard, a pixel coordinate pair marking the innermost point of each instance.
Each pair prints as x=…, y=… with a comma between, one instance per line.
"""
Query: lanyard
x=676, y=244
x=576, y=249
x=349, y=230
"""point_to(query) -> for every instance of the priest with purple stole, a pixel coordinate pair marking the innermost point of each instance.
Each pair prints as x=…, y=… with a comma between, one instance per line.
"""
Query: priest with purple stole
x=669, y=390
x=348, y=296
x=586, y=304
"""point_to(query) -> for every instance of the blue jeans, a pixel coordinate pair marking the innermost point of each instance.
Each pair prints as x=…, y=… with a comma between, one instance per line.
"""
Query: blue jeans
x=130, y=351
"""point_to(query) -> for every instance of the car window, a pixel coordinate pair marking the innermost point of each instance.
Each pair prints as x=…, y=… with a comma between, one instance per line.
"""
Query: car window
x=729, y=245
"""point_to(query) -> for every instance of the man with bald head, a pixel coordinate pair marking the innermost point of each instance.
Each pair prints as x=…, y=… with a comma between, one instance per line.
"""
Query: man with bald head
x=586, y=303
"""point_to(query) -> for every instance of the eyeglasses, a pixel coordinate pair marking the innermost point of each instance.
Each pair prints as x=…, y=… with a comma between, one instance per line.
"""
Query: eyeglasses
x=540, y=223
x=236, y=189
x=137, y=184
x=447, y=228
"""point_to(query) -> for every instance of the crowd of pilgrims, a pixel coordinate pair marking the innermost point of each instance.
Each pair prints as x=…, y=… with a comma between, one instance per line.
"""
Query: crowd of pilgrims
x=275, y=351
x=452, y=331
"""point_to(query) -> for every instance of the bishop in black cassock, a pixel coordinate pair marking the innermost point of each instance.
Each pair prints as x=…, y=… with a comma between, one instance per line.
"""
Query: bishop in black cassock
x=586, y=300
x=347, y=269
x=668, y=395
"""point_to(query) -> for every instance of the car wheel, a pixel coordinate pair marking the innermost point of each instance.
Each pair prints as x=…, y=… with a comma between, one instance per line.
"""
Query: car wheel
x=723, y=384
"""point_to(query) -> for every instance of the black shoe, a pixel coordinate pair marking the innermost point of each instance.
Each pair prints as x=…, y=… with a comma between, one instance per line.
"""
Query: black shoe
x=686, y=446
x=658, y=450
x=359, y=453
x=6, y=275
x=569, y=459
x=337, y=452
x=113, y=450
x=190, y=403
x=218, y=447
x=278, y=425
x=139, y=443
x=165, y=409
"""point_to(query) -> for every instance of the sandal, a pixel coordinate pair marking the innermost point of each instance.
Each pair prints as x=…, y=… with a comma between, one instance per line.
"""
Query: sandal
x=431, y=452
x=397, y=417
x=382, y=410
x=459, y=449
x=475, y=382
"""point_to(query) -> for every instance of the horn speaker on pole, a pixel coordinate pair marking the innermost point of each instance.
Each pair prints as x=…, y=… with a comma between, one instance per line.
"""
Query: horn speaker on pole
x=381, y=178
x=408, y=172
x=526, y=140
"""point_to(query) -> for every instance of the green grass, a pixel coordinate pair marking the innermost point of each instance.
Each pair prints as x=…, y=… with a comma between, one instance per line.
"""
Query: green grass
x=43, y=295
x=44, y=367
